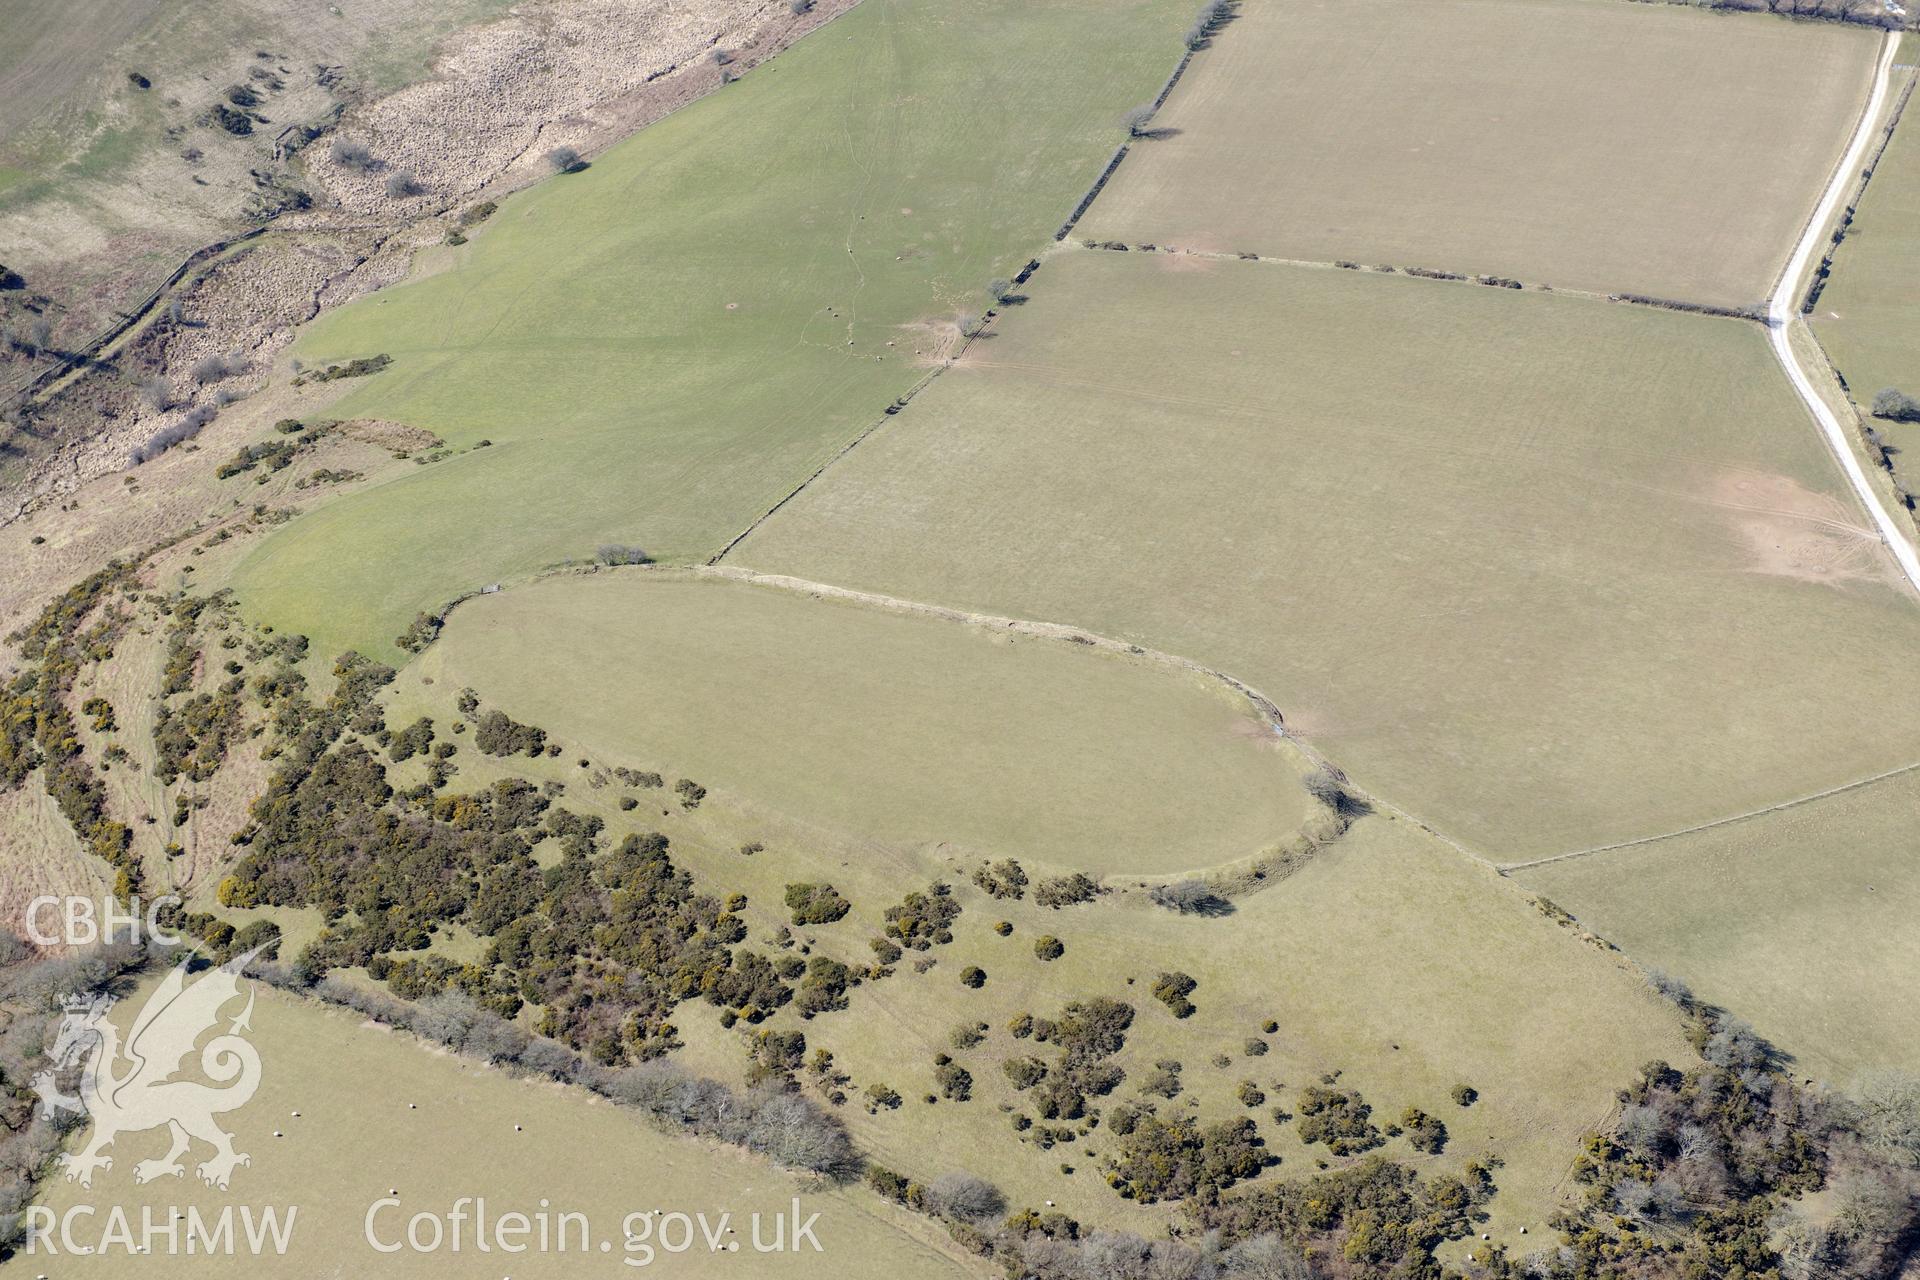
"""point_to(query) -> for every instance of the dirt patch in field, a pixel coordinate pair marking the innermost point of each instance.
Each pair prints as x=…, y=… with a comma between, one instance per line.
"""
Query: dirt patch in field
x=1187, y=261
x=931, y=342
x=1243, y=729
x=1200, y=242
x=1789, y=531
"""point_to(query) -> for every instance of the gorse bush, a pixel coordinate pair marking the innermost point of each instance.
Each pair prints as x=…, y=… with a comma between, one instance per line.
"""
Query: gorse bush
x=498, y=734
x=1172, y=990
x=1341, y=1119
x=1003, y=879
x=1426, y=1133
x=923, y=918
x=815, y=904
x=420, y=633
x=1065, y=891
x=1173, y=1159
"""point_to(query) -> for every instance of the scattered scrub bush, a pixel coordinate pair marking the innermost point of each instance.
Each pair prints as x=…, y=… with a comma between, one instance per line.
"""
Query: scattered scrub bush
x=351, y=154
x=1897, y=405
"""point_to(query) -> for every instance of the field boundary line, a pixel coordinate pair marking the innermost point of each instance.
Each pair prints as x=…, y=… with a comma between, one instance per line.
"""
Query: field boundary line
x=1506, y=868
x=1121, y=152
x=1783, y=307
x=1756, y=314
x=904, y=399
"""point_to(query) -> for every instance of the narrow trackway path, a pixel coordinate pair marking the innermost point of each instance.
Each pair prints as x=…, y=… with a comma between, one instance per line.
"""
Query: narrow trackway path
x=1782, y=310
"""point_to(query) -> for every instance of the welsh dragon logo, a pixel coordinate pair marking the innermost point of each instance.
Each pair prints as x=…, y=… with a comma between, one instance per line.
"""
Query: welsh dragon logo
x=131, y=1088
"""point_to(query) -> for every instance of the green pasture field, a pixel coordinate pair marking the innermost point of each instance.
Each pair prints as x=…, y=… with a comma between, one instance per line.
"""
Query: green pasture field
x=357, y=1136
x=1587, y=144
x=661, y=347
x=1548, y=572
x=884, y=726
x=1800, y=921
x=1385, y=956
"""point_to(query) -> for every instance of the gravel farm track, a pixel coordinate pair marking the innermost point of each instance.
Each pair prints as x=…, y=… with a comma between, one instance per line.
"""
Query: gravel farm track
x=1784, y=306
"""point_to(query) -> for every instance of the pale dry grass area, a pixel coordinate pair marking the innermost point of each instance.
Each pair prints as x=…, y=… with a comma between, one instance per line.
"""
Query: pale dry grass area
x=57, y=45
x=105, y=185
x=39, y=854
x=1584, y=144
x=483, y=117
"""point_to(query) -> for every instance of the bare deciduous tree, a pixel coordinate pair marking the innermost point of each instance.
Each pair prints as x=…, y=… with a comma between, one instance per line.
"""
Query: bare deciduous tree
x=1265, y=1257
x=1888, y=1113
x=963, y=1196
x=1891, y=402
